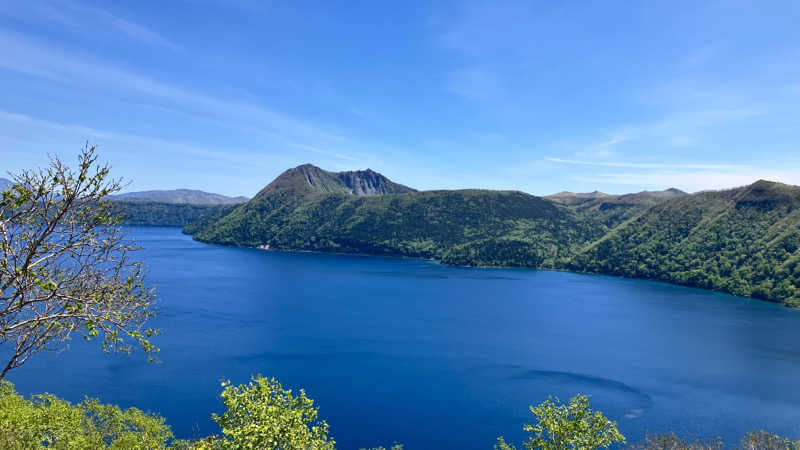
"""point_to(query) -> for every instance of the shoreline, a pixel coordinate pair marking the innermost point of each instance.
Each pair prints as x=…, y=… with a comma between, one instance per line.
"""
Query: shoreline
x=443, y=264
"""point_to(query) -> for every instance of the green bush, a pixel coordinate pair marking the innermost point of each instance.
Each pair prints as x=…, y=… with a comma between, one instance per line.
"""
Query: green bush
x=45, y=421
x=571, y=426
x=264, y=415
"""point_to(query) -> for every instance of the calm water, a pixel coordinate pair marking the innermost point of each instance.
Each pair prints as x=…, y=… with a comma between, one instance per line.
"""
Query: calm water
x=430, y=356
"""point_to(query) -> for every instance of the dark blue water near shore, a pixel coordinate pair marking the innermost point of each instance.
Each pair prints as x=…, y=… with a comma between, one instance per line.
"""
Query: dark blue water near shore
x=440, y=357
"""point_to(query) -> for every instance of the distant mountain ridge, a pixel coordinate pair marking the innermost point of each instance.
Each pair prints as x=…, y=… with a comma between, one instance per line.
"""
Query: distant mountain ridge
x=745, y=241
x=5, y=183
x=179, y=196
x=610, y=209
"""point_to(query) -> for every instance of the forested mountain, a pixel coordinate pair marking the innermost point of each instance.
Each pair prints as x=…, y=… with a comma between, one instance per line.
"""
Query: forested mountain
x=744, y=241
x=471, y=227
x=364, y=212
x=181, y=196
x=167, y=214
x=178, y=207
x=308, y=180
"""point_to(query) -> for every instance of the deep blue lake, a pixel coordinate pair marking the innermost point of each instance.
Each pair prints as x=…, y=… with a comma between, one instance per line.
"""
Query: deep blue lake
x=410, y=351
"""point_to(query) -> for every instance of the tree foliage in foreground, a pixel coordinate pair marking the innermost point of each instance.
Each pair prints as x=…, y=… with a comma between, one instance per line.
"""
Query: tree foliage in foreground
x=65, y=266
x=168, y=214
x=45, y=421
x=567, y=426
x=753, y=440
x=264, y=415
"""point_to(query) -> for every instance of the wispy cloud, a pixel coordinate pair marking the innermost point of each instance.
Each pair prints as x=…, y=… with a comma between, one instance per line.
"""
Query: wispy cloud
x=693, y=180
x=680, y=128
x=25, y=55
x=81, y=132
x=22, y=136
x=604, y=149
x=76, y=15
x=133, y=30
x=647, y=165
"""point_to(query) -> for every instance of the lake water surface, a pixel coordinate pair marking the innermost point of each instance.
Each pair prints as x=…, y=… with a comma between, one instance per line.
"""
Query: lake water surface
x=439, y=357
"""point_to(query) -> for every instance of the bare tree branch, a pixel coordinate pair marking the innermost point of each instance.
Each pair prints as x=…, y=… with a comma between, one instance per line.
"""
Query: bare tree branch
x=65, y=265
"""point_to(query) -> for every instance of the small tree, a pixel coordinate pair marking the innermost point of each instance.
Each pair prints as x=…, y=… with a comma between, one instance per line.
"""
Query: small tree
x=264, y=415
x=671, y=441
x=765, y=440
x=571, y=426
x=46, y=421
x=65, y=266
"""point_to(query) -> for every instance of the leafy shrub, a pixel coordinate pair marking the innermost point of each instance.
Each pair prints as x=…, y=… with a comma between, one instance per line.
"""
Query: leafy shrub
x=45, y=421
x=571, y=426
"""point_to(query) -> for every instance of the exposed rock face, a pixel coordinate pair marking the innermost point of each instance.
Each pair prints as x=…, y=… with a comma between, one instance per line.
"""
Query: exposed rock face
x=309, y=179
x=369, y=182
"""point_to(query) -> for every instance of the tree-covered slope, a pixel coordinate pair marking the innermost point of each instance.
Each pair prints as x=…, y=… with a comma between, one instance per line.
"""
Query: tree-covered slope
x=744, y=241
x=167, y=214
x=180, y=196
x=179, y=207
x=469, y=227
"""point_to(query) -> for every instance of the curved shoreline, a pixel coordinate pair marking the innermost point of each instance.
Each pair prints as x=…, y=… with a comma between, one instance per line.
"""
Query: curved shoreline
x=439, y=262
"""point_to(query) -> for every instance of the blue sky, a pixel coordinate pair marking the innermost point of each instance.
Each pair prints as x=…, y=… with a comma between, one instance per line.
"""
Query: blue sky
x=535, y=96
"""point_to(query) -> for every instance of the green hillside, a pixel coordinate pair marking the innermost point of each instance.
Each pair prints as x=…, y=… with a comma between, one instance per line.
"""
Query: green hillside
x=744, y=241
x=168, y=214
x=469, y=227
x=178, y=207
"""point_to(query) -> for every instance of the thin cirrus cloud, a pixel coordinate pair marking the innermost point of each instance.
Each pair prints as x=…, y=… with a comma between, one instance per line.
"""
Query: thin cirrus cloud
x=252, y=166
x=75, y=16
x=132, y=29
x=83, y=132
x=282, y=139
x=32, y=57
x=693, y=180
x=648, y=165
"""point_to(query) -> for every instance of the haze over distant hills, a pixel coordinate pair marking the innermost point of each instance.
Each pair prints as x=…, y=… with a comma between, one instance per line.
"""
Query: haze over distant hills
x=182, y=196
x=613, y=209
x=5, y=183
